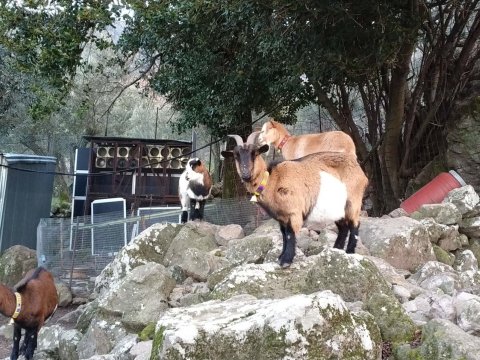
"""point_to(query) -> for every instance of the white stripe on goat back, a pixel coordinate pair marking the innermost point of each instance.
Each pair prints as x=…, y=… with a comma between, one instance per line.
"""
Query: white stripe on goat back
x=331, y=199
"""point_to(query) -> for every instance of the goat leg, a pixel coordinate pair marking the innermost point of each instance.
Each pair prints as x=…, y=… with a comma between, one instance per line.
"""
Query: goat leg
x=201, y=209
x=289, y=241
x=193, y=209
x=31, y=341
x=17, y=334
x=342, y=234
x=352, y=240
x=283, y=229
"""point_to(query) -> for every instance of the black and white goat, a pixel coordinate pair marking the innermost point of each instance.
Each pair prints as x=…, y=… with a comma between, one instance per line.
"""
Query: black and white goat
x=322, y=187
x=194, y=189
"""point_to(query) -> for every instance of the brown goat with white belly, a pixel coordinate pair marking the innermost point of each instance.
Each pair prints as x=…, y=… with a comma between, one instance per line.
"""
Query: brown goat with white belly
x=33, y=300
x=320, y=188
x=293, y=147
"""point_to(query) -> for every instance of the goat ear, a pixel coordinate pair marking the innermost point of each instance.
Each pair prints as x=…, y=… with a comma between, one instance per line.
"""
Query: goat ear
x=227, y=154
x=263, y=149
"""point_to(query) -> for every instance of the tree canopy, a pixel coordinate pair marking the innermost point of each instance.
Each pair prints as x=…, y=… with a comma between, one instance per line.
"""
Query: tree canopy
x=390, y=73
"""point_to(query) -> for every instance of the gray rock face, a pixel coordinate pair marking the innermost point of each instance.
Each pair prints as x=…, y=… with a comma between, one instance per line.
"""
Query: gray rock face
x=441, y=339
x=65, y=296
x=402, y=241
x=140, y=296
x=244, y=327
x=467, y=309
x=445, y=213
x=149, y=246
x=464, y=198
x=15, y=262
x=229, y=232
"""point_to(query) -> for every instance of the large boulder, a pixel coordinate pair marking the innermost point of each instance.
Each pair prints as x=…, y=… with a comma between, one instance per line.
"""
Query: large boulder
x=402, y=241
x=353, y=277
x=467, y=308
x=149, y=246
x=445, y=213
x=244, y=328
x=464, y=198
x=441, y=339
x=140, y=296
x=15, y=262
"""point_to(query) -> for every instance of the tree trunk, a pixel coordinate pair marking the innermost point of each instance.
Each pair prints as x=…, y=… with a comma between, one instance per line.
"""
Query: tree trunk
x=394, y=125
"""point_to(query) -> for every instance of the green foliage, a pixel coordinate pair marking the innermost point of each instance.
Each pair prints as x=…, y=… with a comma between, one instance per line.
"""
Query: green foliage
x=147, y=333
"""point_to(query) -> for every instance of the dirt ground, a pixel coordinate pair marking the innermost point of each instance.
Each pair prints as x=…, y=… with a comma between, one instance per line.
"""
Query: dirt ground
x=6, y=344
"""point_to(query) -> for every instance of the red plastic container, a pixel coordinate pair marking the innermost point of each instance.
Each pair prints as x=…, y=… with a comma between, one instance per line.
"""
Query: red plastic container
x=433, y=192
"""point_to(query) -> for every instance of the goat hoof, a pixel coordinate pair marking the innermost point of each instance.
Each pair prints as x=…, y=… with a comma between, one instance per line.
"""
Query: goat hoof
x=285, y=265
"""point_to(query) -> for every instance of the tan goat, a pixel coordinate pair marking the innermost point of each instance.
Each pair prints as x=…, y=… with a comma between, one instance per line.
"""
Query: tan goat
x=293, y=147
x=319, y=188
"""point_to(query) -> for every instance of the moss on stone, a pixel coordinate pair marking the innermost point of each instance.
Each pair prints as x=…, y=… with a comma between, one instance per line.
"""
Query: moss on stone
x=443, y=256
x=147, y=333
x=395, y=325
x=157, y=343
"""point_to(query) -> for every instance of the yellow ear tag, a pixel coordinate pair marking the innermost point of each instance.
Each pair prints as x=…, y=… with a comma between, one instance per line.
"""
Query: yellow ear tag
x=254, y=198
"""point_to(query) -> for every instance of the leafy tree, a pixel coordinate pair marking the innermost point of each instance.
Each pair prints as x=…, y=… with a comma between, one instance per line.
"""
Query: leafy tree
x=389, y=73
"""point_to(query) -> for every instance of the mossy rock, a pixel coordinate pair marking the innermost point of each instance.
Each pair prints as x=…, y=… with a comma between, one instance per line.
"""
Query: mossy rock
x=148, y=332
x=443, y=256
x=395, y=325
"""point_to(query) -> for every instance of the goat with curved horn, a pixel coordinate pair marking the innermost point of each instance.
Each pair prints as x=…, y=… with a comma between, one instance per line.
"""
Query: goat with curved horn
x=252, y=138
x=238, y=139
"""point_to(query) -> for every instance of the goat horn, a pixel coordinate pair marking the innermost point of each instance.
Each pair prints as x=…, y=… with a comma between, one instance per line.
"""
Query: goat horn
x=252, y=138
x=238, y=139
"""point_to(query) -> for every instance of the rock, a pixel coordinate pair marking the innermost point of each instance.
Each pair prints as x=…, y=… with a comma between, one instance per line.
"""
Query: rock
x=49, y=339
x=227, y=233
x=465, y=260
x=141, y=350
x=244, y=327
x=71, y=317
x=150, y=245
x=445, y=213
x=100, y=338
x=441, y=306
x=140, y=296
x=443, y=256
x=418, y=309
x=433, y=275
x=199, y=265
x=464, y=198
x=398, y=213
x=351, y=276
x=394, y=323
x=474, y=247
x=65, y=296
x=15, y=262
x=467, y=308
x=67, y=345
x=250, y=249
x=188, y=238
x=441, y=339
x=123, y=346
x=470, y=227
x=403, y=242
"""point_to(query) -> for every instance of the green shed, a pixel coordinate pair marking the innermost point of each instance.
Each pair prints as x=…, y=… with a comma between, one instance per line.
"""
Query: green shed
x=26, y=188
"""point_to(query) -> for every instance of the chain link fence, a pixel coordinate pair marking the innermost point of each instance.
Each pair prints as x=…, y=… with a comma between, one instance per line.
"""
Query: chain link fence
x=77, y=250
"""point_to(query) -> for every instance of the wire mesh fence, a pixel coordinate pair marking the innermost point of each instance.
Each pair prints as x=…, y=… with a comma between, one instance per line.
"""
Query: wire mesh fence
x=77, y=250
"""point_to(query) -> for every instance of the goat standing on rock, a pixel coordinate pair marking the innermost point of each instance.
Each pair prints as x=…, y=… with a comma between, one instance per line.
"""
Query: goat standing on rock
x=319, y=188
x=194, y=189
x=293, y=147
x=34, y=300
